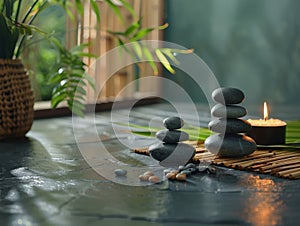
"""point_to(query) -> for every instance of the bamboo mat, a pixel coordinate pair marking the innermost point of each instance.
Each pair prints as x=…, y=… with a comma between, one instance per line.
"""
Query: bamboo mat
x=279, y=163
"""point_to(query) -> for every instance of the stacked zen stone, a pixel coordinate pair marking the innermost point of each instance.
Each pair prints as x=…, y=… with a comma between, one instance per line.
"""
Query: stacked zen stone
x=230, y=140
x=171, y=152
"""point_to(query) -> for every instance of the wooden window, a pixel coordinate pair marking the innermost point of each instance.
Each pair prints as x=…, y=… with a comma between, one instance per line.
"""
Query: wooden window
x=102, y=41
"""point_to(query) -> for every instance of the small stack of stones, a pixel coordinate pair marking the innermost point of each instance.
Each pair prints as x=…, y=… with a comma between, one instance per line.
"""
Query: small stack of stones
x=172, y=152
x=230, y=140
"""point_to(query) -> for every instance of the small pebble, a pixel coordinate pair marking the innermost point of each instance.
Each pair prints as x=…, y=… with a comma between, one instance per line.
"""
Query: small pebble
x=171, y=176
x=181, y=177
x=166, y=171
x=192, y=170
x=191, y=165
x=150, y=173
x=174, y=171
x=144, y=177
x=180, y=168
x=154, y=179
x=202, y=169
x=186, y=172
x=120, y=172
x=211, y=169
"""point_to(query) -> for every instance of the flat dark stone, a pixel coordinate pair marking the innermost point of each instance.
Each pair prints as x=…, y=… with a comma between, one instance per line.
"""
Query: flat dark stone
x=228, y=111
x=172, y=155
x=228, y=95
x=232, y=145
x=173, y=122
x=172, y=136
x=229, y=125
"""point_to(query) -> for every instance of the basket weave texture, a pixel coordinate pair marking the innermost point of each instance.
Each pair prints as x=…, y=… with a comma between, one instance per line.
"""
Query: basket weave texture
x=16, y=105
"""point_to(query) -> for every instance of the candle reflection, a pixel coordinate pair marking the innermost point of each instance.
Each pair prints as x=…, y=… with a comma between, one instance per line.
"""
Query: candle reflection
x=264, y=207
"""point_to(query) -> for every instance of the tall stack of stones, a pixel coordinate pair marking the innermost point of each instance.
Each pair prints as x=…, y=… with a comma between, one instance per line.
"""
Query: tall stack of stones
x=171, y=152
x=229, y=140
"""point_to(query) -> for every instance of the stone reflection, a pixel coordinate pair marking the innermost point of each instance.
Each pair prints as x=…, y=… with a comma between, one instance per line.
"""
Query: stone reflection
x=264, y=207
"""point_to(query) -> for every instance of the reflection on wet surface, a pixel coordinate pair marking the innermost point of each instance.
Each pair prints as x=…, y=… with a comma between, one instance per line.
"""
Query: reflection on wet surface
x=264, y=206
x=45, y=181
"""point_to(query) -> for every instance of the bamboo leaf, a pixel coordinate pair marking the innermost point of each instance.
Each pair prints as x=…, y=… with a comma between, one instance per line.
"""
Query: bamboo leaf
x=150, y=59
x=95, y=9
x=168, y=53
x=141, y=34
x=118, y=33
x=131, y=28
x=138, y=49
x=129, y=8
x=115, y=9
x=164, y=61
x=79, y=6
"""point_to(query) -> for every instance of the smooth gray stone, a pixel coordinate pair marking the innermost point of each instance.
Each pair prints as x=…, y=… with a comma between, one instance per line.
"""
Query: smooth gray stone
x=229, y=125
x=232, y=145
x=228, y=95
x=228, y=111
x=172, y=136
x=172, y=155
x=120, y=172
x=173, y=122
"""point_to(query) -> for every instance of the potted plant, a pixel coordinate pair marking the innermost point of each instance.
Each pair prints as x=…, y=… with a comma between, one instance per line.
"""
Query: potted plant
x=16, y=26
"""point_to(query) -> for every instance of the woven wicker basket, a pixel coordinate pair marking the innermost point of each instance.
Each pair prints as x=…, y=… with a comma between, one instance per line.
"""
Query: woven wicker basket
x=16, y=100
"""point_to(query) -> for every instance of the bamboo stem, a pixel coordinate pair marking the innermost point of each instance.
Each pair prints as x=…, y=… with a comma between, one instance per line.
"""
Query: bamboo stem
x=287, y=172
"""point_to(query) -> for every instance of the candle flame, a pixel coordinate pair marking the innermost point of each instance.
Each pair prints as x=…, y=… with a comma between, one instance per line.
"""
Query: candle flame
x=266, y=111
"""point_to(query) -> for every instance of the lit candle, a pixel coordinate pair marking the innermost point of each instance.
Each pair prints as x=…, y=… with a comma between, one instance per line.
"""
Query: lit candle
x=267, y=131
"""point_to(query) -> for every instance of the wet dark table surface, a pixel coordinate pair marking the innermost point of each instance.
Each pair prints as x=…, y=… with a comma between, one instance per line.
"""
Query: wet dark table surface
x=63, y=175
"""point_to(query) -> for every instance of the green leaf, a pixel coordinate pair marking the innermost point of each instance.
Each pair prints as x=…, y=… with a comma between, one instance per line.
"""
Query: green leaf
x=89, y=55
x=141, y=34
x=168, y=53
x=77, y=111
x=115, y=9
x=138, y=50
x=91, y=81
x=79, y=7
x=78, y=104
x=129, y=8
x=55, y=78
x=116, y=32
x=164, y=61
x=77, y=107
x=132, y=28
x=144, y=133
x=79, y=48
x=95, y=9
x=150, y=59
x=57, y=99
x=80, y=90
x=70, y=14
x=195, y=133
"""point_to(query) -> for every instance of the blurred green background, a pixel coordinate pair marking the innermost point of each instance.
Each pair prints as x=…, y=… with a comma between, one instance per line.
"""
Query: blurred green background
x=43, y=53
x=250, y=44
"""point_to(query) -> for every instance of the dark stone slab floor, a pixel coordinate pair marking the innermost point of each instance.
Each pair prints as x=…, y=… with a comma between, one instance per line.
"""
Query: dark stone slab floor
x=45, y=180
